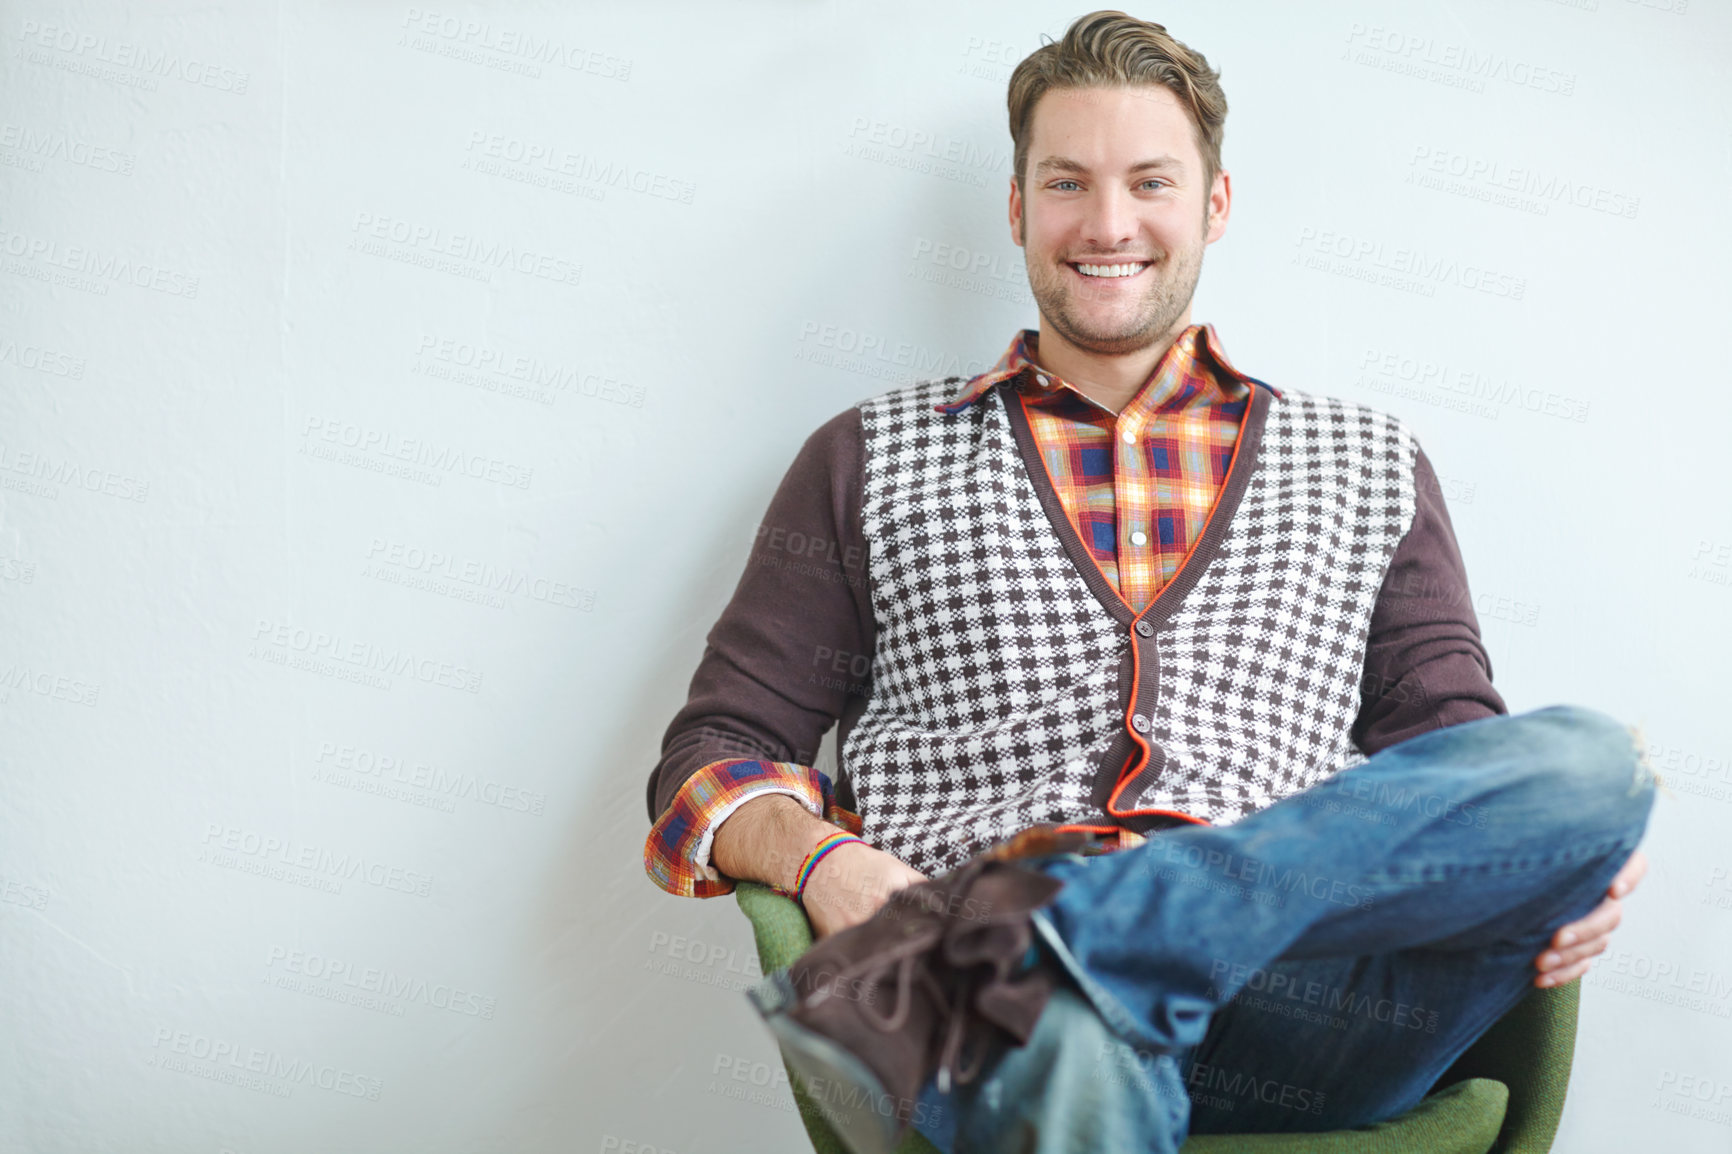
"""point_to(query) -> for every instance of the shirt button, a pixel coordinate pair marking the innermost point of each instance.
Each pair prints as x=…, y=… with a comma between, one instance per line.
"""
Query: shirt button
x=1043, y=380
x=1145, y=629
x=1139, y=538
x=1128, y=437
x=1139, y=723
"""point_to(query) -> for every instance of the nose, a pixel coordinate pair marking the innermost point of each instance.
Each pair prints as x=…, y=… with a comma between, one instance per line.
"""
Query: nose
x=1111, y=220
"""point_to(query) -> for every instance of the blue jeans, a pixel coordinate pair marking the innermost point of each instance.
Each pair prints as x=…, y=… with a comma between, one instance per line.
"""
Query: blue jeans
x=1318, y=964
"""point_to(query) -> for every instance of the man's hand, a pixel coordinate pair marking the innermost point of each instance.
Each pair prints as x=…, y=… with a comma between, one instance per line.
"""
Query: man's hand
x=850, y=883
x=1567, y=957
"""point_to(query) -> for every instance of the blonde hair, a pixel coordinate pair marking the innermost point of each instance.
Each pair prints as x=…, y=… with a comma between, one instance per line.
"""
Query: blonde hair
x=1109, y=49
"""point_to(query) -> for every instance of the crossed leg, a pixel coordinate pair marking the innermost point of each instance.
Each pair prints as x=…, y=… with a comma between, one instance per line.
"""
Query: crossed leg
x=1427, y=902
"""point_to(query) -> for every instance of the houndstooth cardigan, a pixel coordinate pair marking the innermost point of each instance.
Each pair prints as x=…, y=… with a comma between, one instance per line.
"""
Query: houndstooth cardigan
x=998, y=679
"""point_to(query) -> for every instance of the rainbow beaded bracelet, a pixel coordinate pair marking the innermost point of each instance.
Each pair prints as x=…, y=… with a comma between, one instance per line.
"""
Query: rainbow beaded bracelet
x=840, y=837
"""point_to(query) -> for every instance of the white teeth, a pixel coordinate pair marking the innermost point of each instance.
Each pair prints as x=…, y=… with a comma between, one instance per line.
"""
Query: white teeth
x=1109, y=269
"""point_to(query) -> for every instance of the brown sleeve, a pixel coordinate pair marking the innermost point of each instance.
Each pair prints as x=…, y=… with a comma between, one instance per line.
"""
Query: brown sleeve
x=792, y=651
x=1425, y=667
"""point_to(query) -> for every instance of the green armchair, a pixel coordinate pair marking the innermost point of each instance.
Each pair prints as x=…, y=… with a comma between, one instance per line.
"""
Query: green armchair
x=1503, y=1096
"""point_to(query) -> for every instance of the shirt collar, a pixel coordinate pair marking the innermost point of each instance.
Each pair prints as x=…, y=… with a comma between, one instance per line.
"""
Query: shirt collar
x=1018, y=358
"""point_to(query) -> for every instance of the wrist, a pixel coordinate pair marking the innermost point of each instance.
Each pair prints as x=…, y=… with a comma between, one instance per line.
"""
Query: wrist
x=819, y=853
x=766, y=839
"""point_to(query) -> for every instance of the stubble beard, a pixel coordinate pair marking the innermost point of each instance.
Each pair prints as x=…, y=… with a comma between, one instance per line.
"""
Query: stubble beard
x=1172, y=283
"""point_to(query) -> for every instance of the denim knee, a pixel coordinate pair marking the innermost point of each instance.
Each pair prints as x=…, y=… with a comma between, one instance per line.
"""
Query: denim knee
x=1596, y=765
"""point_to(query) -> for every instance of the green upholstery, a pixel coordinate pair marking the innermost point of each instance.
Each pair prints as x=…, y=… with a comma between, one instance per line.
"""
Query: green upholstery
x=1463, y=1119
x=1503, y=1096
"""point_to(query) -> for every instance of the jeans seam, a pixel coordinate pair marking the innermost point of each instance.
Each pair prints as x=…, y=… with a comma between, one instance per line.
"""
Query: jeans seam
x=1446, y=872
x=1117, y=1017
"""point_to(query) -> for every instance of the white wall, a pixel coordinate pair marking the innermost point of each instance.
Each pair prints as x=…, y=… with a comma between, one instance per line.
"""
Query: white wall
x=232, y=239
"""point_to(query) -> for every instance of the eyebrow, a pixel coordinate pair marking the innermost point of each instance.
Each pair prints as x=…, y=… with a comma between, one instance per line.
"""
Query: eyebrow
x=1066, y=164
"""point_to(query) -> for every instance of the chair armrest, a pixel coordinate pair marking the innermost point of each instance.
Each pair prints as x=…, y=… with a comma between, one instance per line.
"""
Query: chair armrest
x=1530, y=1050
x=778, y=924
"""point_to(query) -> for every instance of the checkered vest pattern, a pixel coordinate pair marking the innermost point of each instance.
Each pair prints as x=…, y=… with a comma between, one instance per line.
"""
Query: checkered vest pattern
x=995, y=682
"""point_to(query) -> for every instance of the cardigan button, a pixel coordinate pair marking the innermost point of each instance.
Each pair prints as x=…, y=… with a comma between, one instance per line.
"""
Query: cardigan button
x=1144, y=629
x=1139, y=723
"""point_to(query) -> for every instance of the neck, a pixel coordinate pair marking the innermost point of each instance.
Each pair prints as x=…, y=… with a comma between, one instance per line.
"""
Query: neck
x=1108, y=379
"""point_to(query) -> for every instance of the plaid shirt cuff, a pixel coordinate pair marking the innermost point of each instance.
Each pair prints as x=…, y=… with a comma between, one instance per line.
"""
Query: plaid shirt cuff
x=676, y=855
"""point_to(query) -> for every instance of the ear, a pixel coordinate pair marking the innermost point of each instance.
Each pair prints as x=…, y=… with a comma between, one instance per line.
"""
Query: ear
x=1015, y=212
x=1220, y=203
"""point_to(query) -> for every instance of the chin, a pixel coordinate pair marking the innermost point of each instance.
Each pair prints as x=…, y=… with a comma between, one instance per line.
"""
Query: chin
x=1124, y=335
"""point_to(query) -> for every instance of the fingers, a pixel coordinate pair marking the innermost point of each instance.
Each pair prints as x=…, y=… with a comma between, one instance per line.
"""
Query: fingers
x=1554, y=960
x=1566, y=959
x=1627, y=877
x=1573, y=944
x=1557, y=978
x=1602, y=920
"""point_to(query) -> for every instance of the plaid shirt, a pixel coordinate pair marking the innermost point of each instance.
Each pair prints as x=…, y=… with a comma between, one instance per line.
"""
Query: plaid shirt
x=1138, y=485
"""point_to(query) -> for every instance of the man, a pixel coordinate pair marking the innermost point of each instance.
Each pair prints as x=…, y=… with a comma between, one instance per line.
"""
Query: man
x=1155, y=683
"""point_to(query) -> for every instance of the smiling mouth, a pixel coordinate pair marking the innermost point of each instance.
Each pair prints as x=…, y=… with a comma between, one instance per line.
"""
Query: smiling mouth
x=1098, y=271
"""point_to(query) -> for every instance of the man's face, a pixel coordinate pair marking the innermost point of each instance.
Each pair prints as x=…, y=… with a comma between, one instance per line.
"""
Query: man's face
x=1115, y=215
